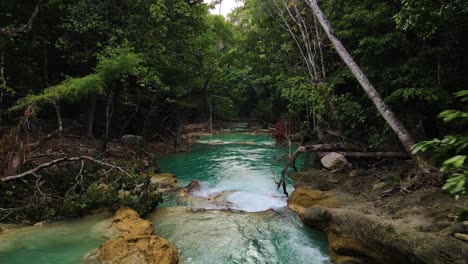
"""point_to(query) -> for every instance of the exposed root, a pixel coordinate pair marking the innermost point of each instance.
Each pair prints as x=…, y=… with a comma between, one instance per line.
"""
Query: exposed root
x=422, y=180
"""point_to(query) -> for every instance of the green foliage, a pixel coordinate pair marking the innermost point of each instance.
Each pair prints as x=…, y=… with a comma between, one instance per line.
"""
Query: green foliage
x=118, y=62
x=351, y=113
x=450, y=152
x=113, y=65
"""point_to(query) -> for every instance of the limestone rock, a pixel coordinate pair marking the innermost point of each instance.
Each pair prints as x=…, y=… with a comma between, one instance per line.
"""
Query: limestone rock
x=193, y=187
x=134, y=250
x=128, y=222
x=164, y=181
x=131, y=140
x=135, y=243
x=335, y=162
x=461, y=236
x=303, y=198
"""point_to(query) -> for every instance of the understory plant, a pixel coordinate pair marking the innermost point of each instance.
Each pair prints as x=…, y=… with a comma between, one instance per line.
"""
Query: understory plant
x=450, y=152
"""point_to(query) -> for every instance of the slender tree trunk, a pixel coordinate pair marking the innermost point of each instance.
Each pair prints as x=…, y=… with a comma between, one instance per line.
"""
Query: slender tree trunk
x=210, y=118
x=59, y=117
x=90, y=118
x=375, y=97
x=2, y=84
x=179, y=130
x=109, y=110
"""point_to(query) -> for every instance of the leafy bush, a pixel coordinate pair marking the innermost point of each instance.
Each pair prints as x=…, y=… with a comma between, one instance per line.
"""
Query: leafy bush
x=451, y=152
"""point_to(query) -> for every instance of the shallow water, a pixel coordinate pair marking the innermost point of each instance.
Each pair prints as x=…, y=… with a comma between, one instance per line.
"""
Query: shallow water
x=255, y=225
x=57, y=243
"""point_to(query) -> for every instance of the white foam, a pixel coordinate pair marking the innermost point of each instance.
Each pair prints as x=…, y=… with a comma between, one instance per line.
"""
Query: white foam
x=255, y=202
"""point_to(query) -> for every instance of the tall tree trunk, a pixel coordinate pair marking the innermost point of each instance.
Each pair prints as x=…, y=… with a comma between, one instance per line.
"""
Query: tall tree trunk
x=375, y=97
x=90, y=118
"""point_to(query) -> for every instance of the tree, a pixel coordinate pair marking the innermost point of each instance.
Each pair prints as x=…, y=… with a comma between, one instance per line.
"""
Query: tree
x=374, y=96
x=112, y=66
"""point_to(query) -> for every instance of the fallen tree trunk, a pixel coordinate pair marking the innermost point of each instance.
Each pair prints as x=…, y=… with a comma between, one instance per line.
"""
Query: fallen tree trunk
x=49, y=164
x=323, y=149
x=370, y=155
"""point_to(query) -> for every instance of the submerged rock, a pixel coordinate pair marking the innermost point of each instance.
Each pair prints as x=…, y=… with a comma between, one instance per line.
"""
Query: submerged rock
x=134, y=242
x=193, y=187
x=335, y=162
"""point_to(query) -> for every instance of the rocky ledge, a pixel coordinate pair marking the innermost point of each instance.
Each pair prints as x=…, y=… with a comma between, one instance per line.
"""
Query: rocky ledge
x=364, y=227
x=133, y=242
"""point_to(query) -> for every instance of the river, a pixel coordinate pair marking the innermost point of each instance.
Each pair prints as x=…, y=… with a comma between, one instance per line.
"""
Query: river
x=248, y=223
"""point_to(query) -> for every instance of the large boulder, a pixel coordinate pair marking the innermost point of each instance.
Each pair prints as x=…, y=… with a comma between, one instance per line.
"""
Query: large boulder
x=164, y=181
x=335, y=162
x=128, y=222
x=355, y=237
x=134, y=250
x=133, y=242
x=131, y=140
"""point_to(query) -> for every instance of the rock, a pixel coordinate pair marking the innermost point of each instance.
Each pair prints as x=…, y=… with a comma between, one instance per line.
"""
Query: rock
x=164, y=181
x=39, y=224
x=461, y=236
x=128, y=222
x=378, y=187
x=364, y=238
x=348, y=250
x=131, y=140
x=303, y=198
x=193, y=187
x=335, y=162
x=134, y=250
x=316, y=216
x=135, y=243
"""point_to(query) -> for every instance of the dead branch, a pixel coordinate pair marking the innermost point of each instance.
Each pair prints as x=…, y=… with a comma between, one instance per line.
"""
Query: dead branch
x=62, y=160
x=11, y=31
x=370, y=155
x=303, y=149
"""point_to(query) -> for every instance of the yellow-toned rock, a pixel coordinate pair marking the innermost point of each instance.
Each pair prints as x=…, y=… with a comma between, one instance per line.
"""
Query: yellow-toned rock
x=164, y=181
x=128, y=222
x=135, y=243
x=303, y=198
x=342, y=250
x=134, y=250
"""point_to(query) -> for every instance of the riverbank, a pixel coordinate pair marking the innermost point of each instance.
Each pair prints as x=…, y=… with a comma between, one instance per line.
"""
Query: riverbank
x=362, y=226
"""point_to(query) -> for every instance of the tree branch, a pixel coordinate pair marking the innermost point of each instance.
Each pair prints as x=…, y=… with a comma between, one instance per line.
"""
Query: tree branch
x=11, y=31
x=61, y=160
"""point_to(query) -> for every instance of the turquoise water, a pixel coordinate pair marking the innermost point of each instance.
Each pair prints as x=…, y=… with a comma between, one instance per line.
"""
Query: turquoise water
x=62, y=242
x=249, y=222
